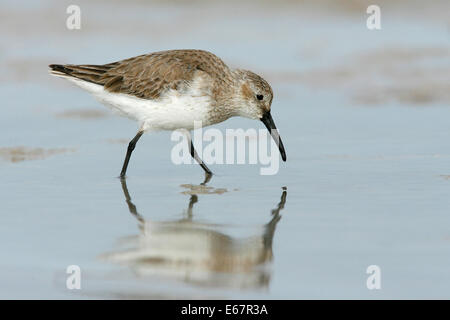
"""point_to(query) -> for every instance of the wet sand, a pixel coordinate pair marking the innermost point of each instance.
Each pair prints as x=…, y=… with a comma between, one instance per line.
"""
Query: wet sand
x=364, y=119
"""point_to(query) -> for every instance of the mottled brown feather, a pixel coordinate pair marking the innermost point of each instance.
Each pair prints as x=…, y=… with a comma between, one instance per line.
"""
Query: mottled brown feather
x=150, y=76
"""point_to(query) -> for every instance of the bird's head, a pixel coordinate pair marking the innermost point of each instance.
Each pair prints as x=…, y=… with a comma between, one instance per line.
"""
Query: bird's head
x=254, y=101
x=255, y=95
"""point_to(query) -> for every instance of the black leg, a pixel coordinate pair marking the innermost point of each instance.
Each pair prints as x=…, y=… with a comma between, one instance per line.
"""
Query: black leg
x=130, y=149
x=200, y=162
x=208, y=177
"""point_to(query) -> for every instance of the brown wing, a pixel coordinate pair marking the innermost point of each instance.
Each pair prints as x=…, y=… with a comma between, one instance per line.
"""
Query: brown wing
x=149, y=76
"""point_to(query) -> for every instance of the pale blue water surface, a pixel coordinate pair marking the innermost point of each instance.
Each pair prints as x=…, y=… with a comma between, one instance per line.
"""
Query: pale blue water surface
x=364, y=116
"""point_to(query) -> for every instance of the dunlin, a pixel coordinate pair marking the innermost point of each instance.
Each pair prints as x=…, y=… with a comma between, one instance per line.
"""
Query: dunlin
x=172, y=89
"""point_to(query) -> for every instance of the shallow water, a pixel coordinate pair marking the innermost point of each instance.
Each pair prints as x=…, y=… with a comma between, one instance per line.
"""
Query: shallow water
x=363, y=116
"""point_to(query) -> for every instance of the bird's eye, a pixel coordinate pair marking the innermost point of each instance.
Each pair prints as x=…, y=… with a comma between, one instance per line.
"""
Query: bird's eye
x=259, y=96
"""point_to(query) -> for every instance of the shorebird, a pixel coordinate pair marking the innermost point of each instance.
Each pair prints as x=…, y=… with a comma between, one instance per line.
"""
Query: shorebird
x=172, y=89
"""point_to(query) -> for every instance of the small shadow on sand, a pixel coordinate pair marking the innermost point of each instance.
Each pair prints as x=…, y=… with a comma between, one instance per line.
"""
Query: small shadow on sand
x=18, y=154
x=83, y=114
x=118, y=141
x=201, y=189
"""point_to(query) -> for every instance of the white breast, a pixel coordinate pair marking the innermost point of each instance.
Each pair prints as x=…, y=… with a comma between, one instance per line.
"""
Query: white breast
x=173, y=111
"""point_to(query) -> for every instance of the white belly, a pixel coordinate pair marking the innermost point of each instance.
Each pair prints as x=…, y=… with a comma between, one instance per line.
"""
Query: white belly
x=174, y=111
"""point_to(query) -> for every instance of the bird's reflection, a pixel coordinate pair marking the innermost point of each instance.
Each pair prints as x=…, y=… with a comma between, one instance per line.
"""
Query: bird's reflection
x=197, y=252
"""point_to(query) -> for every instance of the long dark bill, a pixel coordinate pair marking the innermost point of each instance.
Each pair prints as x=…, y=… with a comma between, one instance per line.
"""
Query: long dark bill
x=270, y=125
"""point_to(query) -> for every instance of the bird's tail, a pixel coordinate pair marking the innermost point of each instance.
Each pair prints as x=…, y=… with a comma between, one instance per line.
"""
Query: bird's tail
x=90, y=73
x=58, y=70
